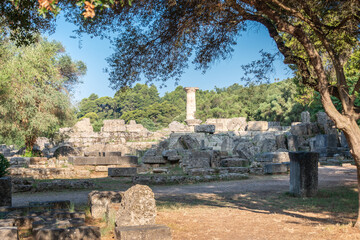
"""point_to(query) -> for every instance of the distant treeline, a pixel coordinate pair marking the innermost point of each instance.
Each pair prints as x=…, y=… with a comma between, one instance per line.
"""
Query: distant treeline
x=271, y=102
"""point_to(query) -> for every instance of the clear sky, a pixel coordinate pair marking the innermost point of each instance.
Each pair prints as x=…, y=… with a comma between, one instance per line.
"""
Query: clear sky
x=94, y=51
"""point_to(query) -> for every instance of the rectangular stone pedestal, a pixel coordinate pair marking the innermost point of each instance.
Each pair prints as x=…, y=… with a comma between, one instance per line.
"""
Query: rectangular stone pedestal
x=122, y=172
x=304, y=173
x=144, y=232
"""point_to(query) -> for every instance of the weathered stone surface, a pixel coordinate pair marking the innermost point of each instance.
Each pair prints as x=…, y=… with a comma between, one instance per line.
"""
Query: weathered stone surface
x=100, y=201
x=5, y=191
x=304, y=173
x=293, y=143
x=65, y=151
x=7, y=222
x=114, y=125
x=200, y=171
x=257, y=126
x=305, y=129
x=178, y=127
x=187, y=142
x=122, y=172
x=137, y=207
x=111, y=160
x=147, y=232
x=233, y=169
x=61, y=204
x=205, y=128
x=38, y=160
x=274, y=157
x=153, y=159
x=62, y=184
x=281, y=142
x=83, y=125
x=73, y=233
x=58, y=223
x=190, y=102
x=228, y=124
x=274, y=168
x=134, y=127
x=234, y=162
x=305, y=117
x=19, y=161
x=9, y=233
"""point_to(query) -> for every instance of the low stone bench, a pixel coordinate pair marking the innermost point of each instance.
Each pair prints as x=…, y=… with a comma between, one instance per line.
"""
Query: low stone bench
x=122, y=172
x=144, y=232
x=234, y=162
x=9, y=233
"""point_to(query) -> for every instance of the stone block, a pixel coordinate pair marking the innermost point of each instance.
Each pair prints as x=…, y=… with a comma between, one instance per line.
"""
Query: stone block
x=292, y=143
x=160, y=170
x=38, y=160
x=178, y=127
x=99, y=202
x=122, y=172
x=111, y=160
x=257, y=126
x=58, y=223
x=6, y=191
x=305, y=117
x=83, y=125
x=137, y=207
x=9, y=233
x=304, y=173
x=274, y=168
x=281, y=142
x=234, y=169
x=65, y=151
x=73, y=233
x=234, y=162
x=273, y=157
x=116, y=125
x=205, y=128
x=188, y=142
x=153, y=159
x=10, y=222
x=147, y=232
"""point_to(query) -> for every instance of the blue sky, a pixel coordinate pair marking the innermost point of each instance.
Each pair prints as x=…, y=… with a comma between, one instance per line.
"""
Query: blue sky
x=94, y=51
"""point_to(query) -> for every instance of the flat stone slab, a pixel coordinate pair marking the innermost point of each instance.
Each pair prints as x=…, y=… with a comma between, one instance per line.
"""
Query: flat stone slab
x=122, y=172
x=9, y=233
x=153, y=159
x=234, y=169
x=108, y=160
x=7, y=222
x=145, y=232
x=102, y=154
x=65, y=223
x=73, y=233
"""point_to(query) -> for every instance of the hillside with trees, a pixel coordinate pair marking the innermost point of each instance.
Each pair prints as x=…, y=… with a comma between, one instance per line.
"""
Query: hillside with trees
x=270, y=102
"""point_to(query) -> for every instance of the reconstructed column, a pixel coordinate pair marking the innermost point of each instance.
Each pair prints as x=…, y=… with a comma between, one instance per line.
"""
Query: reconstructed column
x=190, y=102
x=191, y=106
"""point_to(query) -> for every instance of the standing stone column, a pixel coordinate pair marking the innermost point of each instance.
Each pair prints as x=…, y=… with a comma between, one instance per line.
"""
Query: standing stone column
x=191, y=106
x=304, y=173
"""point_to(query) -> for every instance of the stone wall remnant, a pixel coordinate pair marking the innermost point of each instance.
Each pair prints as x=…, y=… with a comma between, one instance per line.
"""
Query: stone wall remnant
x=114, y=125
x=83, y=125
x=305, y=117
x=257, y=126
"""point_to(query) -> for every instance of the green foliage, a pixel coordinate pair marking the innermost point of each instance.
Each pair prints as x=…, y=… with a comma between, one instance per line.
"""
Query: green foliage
x=4, y=165
x=34, y=99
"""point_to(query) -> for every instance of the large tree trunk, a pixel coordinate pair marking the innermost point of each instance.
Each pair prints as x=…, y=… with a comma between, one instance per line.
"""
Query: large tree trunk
x=352, y=133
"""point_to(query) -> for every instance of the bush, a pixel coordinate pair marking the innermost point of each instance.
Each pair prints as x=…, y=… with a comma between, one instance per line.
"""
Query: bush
x=4, y=165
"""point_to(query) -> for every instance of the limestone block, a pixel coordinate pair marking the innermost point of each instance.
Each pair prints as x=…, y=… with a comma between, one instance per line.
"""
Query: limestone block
x=133, y=127
x=273, y=157
x=257, y=126
x=99, y=202
x=6, y=191
x=112, y=160
x=187, y=142
x=178, y=127
x=234, y=162
x=83, y=125
x=9, y=233
x=122, y=172
x=116, y=125
x=171, y=155
x=205, y=128
x=7, y=222
x=305, y=117
x=304, y=173
x=274, y=168
x=153, y=159
x=281, y=142
x=293, y=143
x=73, y=233
x=147, y=232
x=38, y=160
x=137, y=207
x=236, y=124
x=65, y=151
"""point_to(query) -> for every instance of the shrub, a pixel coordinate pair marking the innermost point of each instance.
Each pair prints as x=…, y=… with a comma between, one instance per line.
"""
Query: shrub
x=4, y=165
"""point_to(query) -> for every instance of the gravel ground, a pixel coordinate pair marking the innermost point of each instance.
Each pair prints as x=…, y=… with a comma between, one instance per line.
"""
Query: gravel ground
x=329, y=176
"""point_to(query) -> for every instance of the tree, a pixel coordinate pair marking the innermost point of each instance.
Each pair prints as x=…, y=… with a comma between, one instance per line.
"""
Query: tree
x=318, y=38
x=34, y=98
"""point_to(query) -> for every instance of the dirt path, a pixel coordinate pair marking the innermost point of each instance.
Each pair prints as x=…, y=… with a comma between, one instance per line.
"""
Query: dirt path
x=329, y=176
